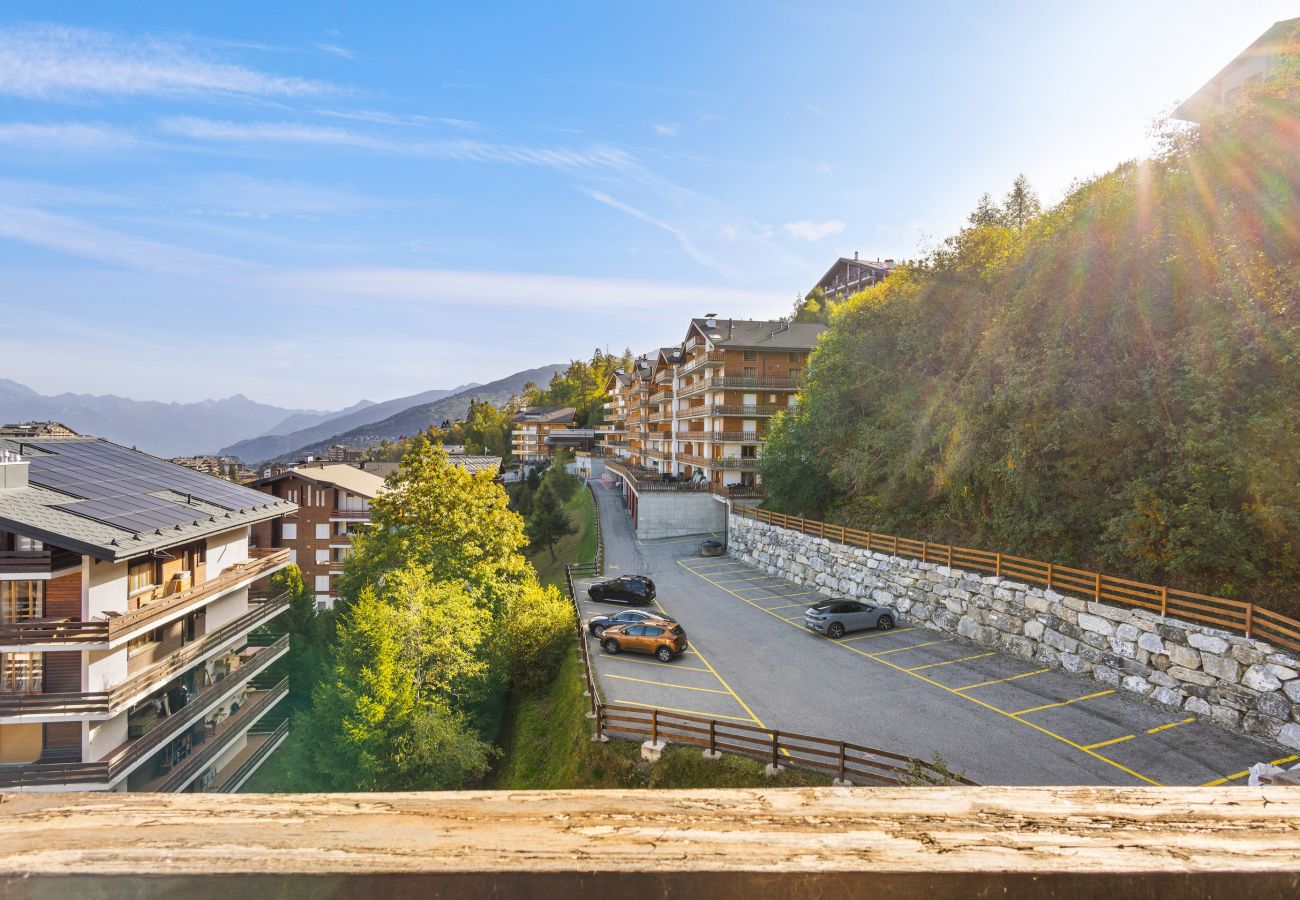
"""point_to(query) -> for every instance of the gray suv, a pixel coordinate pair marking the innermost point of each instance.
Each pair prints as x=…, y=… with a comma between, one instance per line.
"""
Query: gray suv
x=835, y=617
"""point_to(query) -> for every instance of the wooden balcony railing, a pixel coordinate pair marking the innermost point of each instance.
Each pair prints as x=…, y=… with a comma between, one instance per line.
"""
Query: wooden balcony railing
x=737, y=437
x=36, y=562
x=650, y=480
x=738, y=491
x=80, y=632
x=350, y=514
x=711, y=358
x=718, y=462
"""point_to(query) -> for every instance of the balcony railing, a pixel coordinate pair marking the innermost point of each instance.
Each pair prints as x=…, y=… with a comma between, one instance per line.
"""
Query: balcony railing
x=718, y=462
x=712, y=358
x=36, y=562
x=111, y=768
x=232, y=727
x=738, y=491
x=660, y=396
x=737, y=437
x=274, y=738
x=660, y=416
x=350, y=514
x=102, y=631
x=649, y=480
x=739, y=382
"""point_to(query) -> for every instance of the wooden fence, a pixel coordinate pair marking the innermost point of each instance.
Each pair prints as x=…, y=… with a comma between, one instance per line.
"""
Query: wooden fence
x=1251, y=620
x=844, y=760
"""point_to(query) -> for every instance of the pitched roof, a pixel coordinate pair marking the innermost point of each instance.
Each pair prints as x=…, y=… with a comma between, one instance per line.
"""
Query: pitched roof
x=548, y=414
x=341, y=475
x=104, y=500
x=760, y=335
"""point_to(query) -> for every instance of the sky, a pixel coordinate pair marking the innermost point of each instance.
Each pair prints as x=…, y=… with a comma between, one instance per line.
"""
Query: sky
x=315, y=203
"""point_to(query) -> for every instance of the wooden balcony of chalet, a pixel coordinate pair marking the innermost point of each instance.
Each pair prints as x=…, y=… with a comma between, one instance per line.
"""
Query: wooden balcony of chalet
x=37, y=563
x=67, y=633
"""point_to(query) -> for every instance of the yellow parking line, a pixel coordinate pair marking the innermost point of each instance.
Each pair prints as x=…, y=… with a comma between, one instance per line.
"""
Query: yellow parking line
x=1224, y=780
x=704, y=567
x=646, y=662
x=1159, y=728
x=791, y=618
x=666, y=684
x=786, y=606
x=1062, y=703
x=949, y=662
x=689, y=712
x=1001, y=680
x=745, y=580
x=943, y=687
x=1118, y=740
x=782, y=596
x=722, y=681
x=910, y=647
x=878, y=634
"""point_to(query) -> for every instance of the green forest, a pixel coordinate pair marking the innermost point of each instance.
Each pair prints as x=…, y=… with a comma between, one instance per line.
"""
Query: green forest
x=1110, y=383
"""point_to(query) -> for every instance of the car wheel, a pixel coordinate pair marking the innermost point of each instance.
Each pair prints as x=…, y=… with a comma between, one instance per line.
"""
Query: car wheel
x=664, y=654
x=836, y=630
x=598, y=631
x=884, y=623
x=611, y=646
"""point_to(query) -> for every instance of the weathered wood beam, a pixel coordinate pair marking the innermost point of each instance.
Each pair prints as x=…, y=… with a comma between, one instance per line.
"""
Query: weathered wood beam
x=827, y=842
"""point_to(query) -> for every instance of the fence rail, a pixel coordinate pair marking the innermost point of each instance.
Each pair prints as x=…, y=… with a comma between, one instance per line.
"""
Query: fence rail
x=844, y=760
x=1235, y=615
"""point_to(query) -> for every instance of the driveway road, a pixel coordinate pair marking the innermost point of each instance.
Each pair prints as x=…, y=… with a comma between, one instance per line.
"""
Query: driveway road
x=998, y=718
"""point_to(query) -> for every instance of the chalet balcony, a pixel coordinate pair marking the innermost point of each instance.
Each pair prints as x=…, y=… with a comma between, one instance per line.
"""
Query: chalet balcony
x=64, y=634
x=664, y=376
x=660, y=396
x=730, y=409
x=660, y=416
x=651, y=480
x=718, y=462
x=738, y=491
x=701, y=360
x=36, y=563
x=263, y=739
x=350, y=514
x=736, y=437
x=131, y=754
x=90, y=705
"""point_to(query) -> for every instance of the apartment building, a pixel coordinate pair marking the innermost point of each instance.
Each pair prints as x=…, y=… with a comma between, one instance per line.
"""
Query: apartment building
x=695, y=416
x=333, y=504
x=611, y=434
x=1254, y=65
x=534, y=426
x=128, y=654
x=848, y=276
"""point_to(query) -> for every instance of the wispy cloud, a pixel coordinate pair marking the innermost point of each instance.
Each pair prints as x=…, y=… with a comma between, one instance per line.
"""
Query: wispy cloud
x=65, y=136
x=811, y=230
x=688, y=246
x=668, y=129
x=57, y=62
x=459, y=124
x=336, y=50
x=331, y=136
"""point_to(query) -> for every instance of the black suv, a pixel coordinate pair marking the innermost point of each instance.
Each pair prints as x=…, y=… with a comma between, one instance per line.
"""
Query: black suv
x=635, y=589
x=597, y=624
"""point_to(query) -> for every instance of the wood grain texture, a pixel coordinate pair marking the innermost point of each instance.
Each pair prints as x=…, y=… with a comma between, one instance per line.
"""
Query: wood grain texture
x=816, y=842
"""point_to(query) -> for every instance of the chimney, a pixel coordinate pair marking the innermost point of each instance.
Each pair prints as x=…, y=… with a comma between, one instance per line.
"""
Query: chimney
x=855, y=256
x=13, y=471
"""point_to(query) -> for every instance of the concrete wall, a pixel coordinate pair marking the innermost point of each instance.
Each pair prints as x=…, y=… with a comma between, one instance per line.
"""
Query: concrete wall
x=662, y=514
x=1236, y=681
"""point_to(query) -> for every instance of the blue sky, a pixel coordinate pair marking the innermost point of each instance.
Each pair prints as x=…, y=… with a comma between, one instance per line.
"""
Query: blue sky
x=311, y=203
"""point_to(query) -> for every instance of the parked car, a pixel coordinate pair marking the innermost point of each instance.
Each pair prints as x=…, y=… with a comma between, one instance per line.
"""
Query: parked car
x=597, y=624
x=664, y=639
x=834, y=618
x=635, y=589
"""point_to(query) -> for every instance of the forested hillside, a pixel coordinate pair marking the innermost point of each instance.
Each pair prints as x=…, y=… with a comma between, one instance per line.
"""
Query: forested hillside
x=1111, y=383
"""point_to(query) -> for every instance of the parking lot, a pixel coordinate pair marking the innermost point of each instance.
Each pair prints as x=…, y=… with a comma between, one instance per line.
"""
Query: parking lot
x=999, y=718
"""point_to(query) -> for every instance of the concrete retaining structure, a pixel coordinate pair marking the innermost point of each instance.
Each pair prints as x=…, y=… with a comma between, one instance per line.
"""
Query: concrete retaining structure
x=662, y=514
x=1236, y=681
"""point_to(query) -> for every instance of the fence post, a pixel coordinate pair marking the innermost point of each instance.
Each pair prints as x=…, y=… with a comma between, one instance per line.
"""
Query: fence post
x=776, y=741
x=950, y=556
x=654, y=726
x=1097, y=589
x=1049, y=575
x=998, y=570
x=842, y=778
x=1164, y=600
x=925, y=551
x=1250, y=617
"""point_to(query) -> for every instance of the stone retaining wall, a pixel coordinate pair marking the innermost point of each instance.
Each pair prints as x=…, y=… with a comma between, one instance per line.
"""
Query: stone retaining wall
x=1236, y=681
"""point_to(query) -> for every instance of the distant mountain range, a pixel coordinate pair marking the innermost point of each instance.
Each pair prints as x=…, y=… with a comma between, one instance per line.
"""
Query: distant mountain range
x=164, y=429
x=406, y=421
x=281, y=441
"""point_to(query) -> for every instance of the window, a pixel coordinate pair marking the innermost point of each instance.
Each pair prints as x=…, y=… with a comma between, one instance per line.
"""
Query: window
x=289, y=531
x=796, y=357
x=322, y=556
x=136, y=644
x=751, y=355
x=22, y=673
x=651, y=631
x=27, y=544
x=292, y=496
x=21, y=600
x=293, y=556
x=322, y=583
x=323, y=532
x=749, y=451
x=140, y=575
x=751, y=372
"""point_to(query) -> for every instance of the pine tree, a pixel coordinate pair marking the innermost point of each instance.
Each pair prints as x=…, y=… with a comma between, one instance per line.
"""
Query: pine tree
x=1021, y=205
x=548, y=522
x=986, y=212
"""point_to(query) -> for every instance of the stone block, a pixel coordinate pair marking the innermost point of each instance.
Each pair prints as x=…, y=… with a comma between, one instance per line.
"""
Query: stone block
x=883, y=597
x=1034, y=630
x=1172, y=633
x=1008, y=623
x=1292, y=690
x=1073, y=603
x=1096, y=624
x=1058, y=641
x=1090, y=654
x=1168, y=696
x=1126, y=649
x=1289, y=735
x=1038, y=604
x=1247, y=656
x=1261, y=679
x=1047, y=655
x=1282, y=659
x=1208, y=642
x=944, y=620
x=1106, y=675
x=1163, y=679
x=1072, y=663
x=1224, y=715
x=1258, y=723
x=1197, y=706
x=1274, y=704
x=652, y=750
x=1184, y=657
x=1225, y=668
x=1136, y=685
x=1110, y=613
x=1282, y=673
x=1190, y=676
x=1236, y=697
x=1151, y=643
x=1127, y=632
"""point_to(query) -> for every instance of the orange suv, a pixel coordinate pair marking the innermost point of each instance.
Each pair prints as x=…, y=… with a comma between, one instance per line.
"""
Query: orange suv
x=664, y=639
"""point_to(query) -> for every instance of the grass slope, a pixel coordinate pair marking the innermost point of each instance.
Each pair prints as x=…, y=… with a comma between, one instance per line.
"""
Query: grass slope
x=580, y=546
